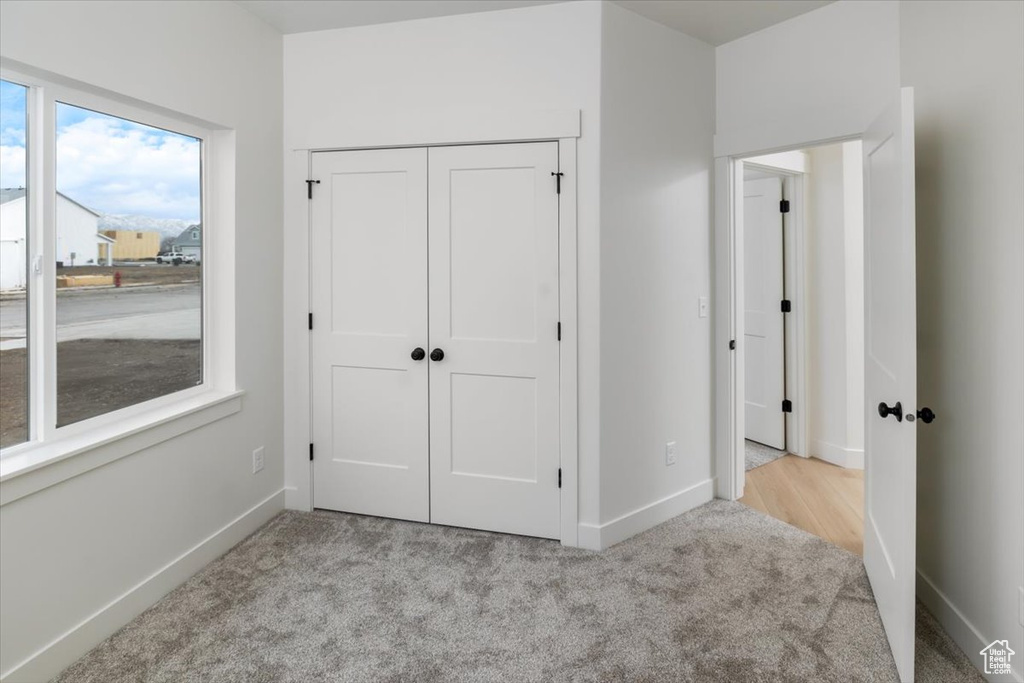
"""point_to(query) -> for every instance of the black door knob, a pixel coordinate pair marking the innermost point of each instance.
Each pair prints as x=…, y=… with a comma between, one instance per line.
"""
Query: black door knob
x=926, y=415
x=418, y=354
x=896, y=410
x=437, y=354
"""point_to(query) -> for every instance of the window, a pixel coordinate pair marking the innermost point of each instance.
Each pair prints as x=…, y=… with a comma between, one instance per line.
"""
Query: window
x=14, y=367
x=118, y=346
x=95, y=328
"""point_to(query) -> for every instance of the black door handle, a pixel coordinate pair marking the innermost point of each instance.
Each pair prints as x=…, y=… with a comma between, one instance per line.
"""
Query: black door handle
x=436, y=355
x=926, y=415
x=896, y=410
x=418, y=354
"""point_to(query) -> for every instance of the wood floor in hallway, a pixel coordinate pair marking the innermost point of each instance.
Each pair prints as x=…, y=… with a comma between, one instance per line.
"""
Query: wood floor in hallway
x=816, y=496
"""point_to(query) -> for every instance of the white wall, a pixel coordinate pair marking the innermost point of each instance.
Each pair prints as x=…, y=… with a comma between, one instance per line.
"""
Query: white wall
x=970, y=289
x=72, y=550
x=834, y=281
x=853, y=221
x=819, y=76
x=657, y=118
x=339, y=83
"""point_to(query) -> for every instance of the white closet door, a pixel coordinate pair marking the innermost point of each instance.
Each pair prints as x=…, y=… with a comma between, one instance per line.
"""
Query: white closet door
x=494, y=314
x=764, y=349
x=369, y=300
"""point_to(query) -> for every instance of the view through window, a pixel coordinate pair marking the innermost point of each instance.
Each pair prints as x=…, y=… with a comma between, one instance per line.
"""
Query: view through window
x=14, y=386
x=128, y=254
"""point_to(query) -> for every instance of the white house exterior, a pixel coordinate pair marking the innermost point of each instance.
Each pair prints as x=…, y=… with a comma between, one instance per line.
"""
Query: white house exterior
x=78, y=238
x=190, y=242
x=12, y=241
x=78, y=235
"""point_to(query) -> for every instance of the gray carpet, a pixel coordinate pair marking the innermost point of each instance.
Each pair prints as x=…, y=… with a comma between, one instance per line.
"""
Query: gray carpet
x=758, y=454
x=721, y=593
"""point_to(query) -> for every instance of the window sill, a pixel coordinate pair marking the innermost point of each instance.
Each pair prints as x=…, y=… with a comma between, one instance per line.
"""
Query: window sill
x=42, y=465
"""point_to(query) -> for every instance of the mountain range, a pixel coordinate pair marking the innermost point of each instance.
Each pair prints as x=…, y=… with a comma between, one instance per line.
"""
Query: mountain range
x=167, y=227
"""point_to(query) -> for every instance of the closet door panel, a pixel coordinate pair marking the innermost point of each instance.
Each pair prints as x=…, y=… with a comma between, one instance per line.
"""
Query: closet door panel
x=493, y=264
x=369, y=300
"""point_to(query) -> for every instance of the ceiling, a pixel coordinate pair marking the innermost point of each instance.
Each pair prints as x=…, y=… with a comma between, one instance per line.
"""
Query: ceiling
x=720, y=21
x=712, y=21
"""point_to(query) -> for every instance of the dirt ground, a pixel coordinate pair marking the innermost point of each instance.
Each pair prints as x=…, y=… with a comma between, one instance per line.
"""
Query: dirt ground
x=13, y=370
x=150, y=273
x=96, y=376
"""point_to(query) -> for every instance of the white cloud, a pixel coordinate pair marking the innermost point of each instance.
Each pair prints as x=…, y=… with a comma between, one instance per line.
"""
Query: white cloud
x=12, y=135
x=12, y=166
x=125, y=169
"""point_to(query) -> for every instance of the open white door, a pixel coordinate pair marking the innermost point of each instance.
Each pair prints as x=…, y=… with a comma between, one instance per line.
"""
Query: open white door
x=890, y=309
x=764, y=356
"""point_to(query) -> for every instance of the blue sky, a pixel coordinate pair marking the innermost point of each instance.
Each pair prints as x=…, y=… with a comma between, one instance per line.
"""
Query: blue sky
x=108, y=164
x=12, y=134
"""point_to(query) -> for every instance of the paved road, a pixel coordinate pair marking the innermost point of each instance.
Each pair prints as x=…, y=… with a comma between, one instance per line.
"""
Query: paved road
x=170, y=312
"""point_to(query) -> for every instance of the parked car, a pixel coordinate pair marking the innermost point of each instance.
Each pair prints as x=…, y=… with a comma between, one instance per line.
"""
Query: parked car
x=176, y=258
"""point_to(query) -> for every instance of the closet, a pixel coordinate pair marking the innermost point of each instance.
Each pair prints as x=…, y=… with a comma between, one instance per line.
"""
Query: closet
x=435, y=345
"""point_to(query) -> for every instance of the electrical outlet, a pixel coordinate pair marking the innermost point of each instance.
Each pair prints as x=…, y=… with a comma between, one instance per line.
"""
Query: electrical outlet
x=702, y=307
x=670, y=453
x=257, y=460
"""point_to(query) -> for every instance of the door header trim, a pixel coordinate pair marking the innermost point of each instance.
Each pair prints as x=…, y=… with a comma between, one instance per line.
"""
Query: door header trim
x=438, y=127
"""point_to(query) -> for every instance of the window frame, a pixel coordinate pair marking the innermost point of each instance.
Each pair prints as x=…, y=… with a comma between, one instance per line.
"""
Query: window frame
x=46, y=442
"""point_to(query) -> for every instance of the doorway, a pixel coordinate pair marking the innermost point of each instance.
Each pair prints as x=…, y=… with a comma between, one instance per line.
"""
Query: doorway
x=435, y=361
x=803, y=264
x=890, y=357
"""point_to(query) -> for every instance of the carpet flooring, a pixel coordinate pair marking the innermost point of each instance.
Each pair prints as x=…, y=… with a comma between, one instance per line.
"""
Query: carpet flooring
x=758, y=454
x=722, y=593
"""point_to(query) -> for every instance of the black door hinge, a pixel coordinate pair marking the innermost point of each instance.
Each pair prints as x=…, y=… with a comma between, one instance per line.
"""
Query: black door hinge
x=310, y=321
x=787, y=405
x=558, y=182
x=784, y=206
x=310, y=451
x=732, y=344
x=787, y=306
x=309, y=187
x=559, y=331
x=559, y=477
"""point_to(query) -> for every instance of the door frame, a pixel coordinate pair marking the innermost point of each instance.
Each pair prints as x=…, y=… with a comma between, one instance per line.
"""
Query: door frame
x=729, y=390
x=562, y=127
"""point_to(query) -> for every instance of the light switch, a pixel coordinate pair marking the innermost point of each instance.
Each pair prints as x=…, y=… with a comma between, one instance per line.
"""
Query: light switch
x=702, y=307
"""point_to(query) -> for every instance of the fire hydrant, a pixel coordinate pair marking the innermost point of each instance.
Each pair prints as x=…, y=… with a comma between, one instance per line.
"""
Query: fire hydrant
x=117, y=278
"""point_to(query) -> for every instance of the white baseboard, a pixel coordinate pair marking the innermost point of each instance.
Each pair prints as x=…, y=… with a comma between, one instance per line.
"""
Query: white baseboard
x=599, y=537
x=850, y=458
x=295, y=499
x=967, y=637
x=53, y=658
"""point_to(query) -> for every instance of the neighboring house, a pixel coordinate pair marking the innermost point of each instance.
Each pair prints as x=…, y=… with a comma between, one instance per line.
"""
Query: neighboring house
x=133, y=245
x=78, y=236
x=13, y=258
x=78, y=239
x=190, y=242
